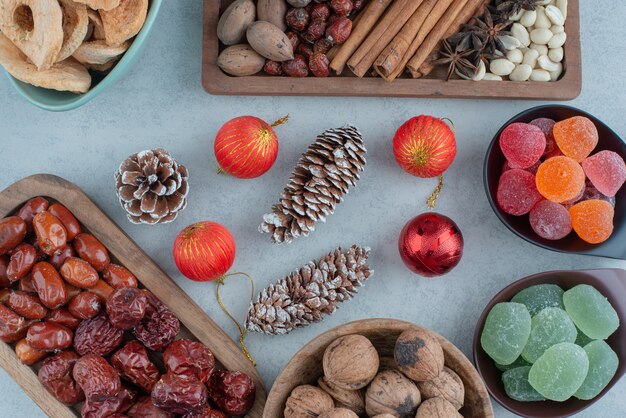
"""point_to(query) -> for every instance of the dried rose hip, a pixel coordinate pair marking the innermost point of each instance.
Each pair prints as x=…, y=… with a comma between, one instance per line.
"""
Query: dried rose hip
x=79, y=273
x=55, y=374
x=32, y=208
x=49, y=285
x=126, y=307
x=72, y=226
x=97, y=336
x=342, y=7
x=12, y=232
x=118, y=276
x=339, y=31
x=318, y=63
x=273, y=68
x=23, y=259
x=4, y=264
x=133, y=364
x=26, y=304
x=144, y=408
x=306, y=50
x=85, y=305
x=297, y=18
x=190, y=358
x=315, y=30
x=49, y=336
x=51, y=234
x=320, y=11
x=58, y=258
x=109, y=407
x=159, y=327
x=63, y=317
x=27, y=354
x=179, y=394
x=293, y=38
x=232, y=392
x=96, y=377
x=92, y=251
x=296, y=67
x=322, y=45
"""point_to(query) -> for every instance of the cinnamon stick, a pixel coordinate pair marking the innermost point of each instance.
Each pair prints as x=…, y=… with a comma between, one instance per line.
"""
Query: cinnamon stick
x=386, y=29
x=435, y=36
x=362, y=27
x=437, y=12
x=388, y=60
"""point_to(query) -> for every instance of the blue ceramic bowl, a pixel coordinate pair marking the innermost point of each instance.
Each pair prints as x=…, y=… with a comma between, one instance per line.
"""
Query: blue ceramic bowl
x=61, y=101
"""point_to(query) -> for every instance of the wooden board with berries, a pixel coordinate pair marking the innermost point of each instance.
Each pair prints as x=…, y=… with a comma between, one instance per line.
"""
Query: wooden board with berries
x=497, y=49
x=90, y=325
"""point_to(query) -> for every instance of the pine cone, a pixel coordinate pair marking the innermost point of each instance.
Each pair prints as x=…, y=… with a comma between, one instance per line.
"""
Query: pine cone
x=324, y=174
x=152, y=187
x=307, y=294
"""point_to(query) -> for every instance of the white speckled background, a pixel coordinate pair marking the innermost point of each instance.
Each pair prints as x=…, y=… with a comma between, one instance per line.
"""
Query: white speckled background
x=161, y=103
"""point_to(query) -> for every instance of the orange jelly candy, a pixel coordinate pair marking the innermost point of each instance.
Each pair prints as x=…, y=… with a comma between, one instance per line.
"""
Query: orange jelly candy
x=593, y=220
x=560, y=179
x=576, y=137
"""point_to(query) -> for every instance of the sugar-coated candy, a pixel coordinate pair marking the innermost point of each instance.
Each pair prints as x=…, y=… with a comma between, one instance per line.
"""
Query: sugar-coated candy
x=546, y=126
x=517, y=192
x=522, y=144
x=550, y=220
x=532, y=169
x=592, y=313
x=593, y=220
x=591, y=193
x=549, y=327
x=569, y=203
x=576, y=137
x=560, y=179
x=517, y=387
x=581, y=339
x=506, y=332
x=538, y=297
x=560, y=371
x=606, y=171
x=519, y=362
x=603, y=364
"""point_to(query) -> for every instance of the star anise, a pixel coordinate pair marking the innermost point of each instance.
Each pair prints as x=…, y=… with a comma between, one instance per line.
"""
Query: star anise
x=489, y=31
x=457, y=59
x=508, y=8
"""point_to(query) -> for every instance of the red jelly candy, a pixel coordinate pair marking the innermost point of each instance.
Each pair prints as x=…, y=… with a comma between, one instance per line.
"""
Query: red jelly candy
x=517, y=192
x=522, y=144
x=550, y=220
x=546, y=126
x=607, y=172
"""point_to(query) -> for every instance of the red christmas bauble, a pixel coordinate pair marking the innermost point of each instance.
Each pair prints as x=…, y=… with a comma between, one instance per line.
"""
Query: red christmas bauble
x=246, y=147
x=431, y=244
x=204, y=251
x=424, y=146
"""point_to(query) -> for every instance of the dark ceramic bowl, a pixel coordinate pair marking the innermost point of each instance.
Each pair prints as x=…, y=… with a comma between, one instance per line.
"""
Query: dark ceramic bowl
x=615, y=246
x=611, y=283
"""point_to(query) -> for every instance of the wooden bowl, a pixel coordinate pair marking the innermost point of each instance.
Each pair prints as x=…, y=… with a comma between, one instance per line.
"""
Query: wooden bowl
x=306, y=366
x=611, y=283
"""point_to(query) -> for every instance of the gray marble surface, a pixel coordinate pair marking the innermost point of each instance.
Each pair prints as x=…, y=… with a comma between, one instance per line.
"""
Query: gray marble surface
x=161, y=103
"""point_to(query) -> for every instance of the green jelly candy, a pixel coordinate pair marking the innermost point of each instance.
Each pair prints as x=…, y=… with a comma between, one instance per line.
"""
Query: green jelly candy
x=517, y=387
x=581, y=339
x=549, y=327
x=541, y=296
x=520, y=362
x=560, y=372
x=591, y=312
x=603, y=364
x=506, y=332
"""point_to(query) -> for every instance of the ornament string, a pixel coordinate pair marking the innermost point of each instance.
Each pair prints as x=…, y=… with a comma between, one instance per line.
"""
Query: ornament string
x=432, y=199
x=242, y=329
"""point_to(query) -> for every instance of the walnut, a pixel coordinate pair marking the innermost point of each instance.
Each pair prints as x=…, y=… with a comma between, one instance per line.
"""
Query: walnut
x=419, y=355
x=350, y=362
x=437, y=408
x=448, y=385
x=353, y=400
x=392, y=393
x=339, y=413
x=387, y=363
x=384, y=416
x=308, y=401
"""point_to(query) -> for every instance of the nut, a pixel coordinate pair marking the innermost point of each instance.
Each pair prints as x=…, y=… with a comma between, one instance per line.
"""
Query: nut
x=240, y=60
x=521, y=73
x=353, y=400
x=555, y=15
x=272, y=11
x=384, y=416
x=235, y=20
x=350, y=362
x=308, y=401
x=448, y=385
x=419, y=355
x=540, y=75
x=339, y=413
x=501, y=66
x=541, y=36
x=392, y=393
x=437, y=408
x=269, y=41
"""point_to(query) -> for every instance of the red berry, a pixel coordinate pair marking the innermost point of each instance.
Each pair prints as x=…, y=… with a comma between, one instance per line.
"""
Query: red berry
x=315, y=30
x=305, y=50
x=342, y=7
x=322, y=45
x=320, y=11
x=273, y=68
x=297, y=18
x=296, y=67
x=318, y=63
x=293, y=38
x=339, y=31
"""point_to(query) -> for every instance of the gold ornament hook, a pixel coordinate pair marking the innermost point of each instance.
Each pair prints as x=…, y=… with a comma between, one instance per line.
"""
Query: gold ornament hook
x=432, y=199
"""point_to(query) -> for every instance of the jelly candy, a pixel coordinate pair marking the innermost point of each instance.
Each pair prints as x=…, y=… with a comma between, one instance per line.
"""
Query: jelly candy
x=591, y=193
x=520, y=362
x=517, y=387
x=560, y=179
x=537, y=298
x=532, y=169
x=591, y=311
x=569, y=203
x=593, y=220
x=550, y=220
x=560, y=371
x=603, y=364
x=517, y=192
x=607, y=171
x=549, y=327
x=546, y=126
x=576, y=137
x=506, y=332
x=581, y=339
x=522, y=144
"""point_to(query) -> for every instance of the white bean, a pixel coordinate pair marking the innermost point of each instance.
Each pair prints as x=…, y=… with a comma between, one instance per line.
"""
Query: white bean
x=545, y=63
x=528, y=18
x=554, y=75
x=542, y=21
x=501, y=66
x=515, y=56
x=480, y=71
x=521, y=73
x=540, y=75
x=542, y=49
x=492, y=77
x=556, y=54
x=557, y=40
x=521, y=34
x=562, y=5
x=541, y=36
x=530, y=57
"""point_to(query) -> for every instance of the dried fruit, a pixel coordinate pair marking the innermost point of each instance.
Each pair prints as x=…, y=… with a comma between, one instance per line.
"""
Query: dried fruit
x=315, y=31
x=273, y=68
x=232, y=392
x=27, y=354
x=342, y=7
x=55, y=374
x=319, y=64
x=102, y=289
x=179, y=394
x=159, y=327
x=320, y=11
x=297, y=18
x=12, y=232
x=126, y=307
x=23, y=258
x=351, y=362
x=118, y=276
x=322, y=45
x=109, y=407
x=27, y=285
x=4, y=264
x=57, y=259
x=49, y=336
x=190, y=358
x=419, y=355
x=294, y=38
x=307, y=401
x=50, y=287
x=32, y=208
x=85, y=305
x=79, y=273
x=133, y=364
x=12, y=326
x=91, y=250
x=51, y=234
x=296, y=67
x=306, y=50
x=339, y=31
x=97, y=336
x=63, y=317
x=144, y=408
x=26, y=304
x=71, y=224
x=96, y=377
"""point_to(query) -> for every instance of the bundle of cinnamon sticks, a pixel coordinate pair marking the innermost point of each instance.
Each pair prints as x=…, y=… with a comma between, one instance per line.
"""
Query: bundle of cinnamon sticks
x=394, y=36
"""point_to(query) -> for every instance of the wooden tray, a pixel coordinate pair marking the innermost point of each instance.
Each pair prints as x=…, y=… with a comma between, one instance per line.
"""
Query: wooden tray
x=194, y=322
x=217, y=82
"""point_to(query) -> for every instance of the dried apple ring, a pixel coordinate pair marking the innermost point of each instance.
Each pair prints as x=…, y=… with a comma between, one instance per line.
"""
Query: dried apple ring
x=125, y=21
x=75, y=24
x=102, y=68
x=35, y=27
x=98, y=52
x=95, y=31
x=100, y=4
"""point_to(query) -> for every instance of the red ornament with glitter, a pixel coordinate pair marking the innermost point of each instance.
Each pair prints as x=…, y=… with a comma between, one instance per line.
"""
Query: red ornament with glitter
x=431, y=244
x=246, y=147
x=204, y=251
